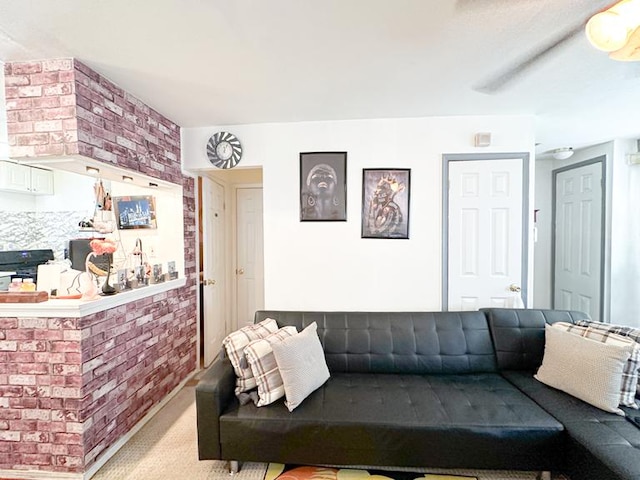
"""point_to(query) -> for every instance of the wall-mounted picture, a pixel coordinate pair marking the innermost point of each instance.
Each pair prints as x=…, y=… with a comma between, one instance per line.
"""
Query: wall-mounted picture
x=385, y=202
x=135, y=212
x=323, y=186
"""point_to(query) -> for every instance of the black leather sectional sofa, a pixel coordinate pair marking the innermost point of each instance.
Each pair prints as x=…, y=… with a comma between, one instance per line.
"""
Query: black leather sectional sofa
x=420, y=389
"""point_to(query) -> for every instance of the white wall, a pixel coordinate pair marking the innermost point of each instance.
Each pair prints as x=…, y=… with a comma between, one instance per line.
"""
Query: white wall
x=72, y=192
x=326, y=265
x=625, y=237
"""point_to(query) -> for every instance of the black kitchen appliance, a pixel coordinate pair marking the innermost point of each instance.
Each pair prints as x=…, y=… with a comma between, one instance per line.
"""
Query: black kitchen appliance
x=24, y=262
x=79, y=248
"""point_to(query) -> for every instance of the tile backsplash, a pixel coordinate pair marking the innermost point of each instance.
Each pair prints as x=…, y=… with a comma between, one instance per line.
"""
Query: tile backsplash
x=40, y=230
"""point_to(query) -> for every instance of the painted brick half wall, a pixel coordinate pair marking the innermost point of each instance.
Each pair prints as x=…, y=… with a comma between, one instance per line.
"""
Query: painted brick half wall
x=71, y=388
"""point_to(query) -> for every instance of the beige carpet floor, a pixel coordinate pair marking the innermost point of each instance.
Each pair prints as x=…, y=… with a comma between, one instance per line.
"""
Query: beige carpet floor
x=165, y=448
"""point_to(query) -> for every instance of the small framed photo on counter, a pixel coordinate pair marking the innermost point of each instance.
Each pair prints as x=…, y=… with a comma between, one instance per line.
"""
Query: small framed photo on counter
x=157, y=275
x=141, y=276
x=171, y=270
x=123, y=283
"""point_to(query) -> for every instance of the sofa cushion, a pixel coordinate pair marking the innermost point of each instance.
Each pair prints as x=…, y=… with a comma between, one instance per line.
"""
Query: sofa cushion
x=301, y=364
x=518, y=334
x=398, y=419
x=398, y=342
x=602, y=445
x=263, y=365
x=584, y=368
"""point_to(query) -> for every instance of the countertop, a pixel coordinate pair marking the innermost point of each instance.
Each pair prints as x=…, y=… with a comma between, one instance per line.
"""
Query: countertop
x=65, y=308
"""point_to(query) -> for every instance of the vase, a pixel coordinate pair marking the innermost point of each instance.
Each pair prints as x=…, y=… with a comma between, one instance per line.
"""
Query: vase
x=108, y=289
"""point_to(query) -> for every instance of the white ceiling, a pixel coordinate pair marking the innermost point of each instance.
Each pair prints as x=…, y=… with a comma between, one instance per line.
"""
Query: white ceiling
x=222, y=62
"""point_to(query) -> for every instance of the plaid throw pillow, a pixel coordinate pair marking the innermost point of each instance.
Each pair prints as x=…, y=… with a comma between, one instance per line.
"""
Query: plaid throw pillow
x=263, y=364
x=633, y=333
x=234, y=345
x=630, y=371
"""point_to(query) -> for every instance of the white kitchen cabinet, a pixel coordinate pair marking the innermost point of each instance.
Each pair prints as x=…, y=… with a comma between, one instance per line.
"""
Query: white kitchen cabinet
x=25, y=179
x=41, y=181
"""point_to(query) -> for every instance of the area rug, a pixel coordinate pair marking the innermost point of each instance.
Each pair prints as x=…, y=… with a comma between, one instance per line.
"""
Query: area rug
x=277, y=471
x=286, y=472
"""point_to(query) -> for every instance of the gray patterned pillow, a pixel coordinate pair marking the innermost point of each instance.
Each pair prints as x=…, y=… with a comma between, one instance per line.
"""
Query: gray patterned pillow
x=235, y=344
x=302, y=365
x=263, y=365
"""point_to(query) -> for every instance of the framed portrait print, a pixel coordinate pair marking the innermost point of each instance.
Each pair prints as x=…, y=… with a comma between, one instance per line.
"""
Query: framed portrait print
x=323, y=186
x=385, y=202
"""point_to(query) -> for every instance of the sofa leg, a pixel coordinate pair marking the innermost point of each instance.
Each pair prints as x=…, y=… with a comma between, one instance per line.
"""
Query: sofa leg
x=543, y=476
x=234, y=467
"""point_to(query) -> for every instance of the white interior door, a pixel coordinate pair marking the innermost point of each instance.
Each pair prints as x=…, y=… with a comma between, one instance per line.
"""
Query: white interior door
x=578, y=239
x=213, y=278
x=249, y=261
x=484, y=233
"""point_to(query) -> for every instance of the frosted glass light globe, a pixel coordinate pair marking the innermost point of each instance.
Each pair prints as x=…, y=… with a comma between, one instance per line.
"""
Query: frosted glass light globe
x=607, y=31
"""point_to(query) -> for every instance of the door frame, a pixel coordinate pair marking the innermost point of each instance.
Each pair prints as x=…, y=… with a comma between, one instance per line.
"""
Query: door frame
x=602, y=159
x=471, y=157
x=234, y=247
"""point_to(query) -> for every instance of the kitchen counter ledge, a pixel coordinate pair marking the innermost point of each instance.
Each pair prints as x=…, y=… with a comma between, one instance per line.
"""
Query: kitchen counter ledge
x=81, y=308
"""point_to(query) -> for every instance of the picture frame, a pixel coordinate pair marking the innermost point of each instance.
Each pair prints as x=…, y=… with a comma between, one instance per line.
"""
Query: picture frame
x=135, y=212
x=385, y=202
x=122, y=283
x=158, y=276
x=323, y=187
x=171, y=270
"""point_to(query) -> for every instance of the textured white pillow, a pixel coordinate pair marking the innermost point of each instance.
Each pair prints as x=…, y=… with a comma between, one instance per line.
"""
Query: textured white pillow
x=263, y=364
x=302, y=365
x=629, y=383
x=585, y=368
x=235, y=343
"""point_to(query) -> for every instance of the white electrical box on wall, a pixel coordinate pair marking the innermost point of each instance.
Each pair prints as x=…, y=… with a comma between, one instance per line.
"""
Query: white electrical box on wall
x=633, y=158
x=482, y=139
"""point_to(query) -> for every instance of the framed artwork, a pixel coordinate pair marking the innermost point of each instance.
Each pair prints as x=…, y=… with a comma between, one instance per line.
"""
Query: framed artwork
x=323, y=186
x=135, y=212
x=385, y=202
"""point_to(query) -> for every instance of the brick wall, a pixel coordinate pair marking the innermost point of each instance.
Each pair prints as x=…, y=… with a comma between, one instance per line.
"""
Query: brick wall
x=70, y=388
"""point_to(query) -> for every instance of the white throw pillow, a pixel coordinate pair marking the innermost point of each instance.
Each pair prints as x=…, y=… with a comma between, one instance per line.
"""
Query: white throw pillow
x=263, y=365
x=302, y=365
x=234, y=345
x=585, y=368
x=629, y=382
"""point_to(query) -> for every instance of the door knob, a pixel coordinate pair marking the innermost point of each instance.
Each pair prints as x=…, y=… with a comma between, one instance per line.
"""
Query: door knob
x=209, y=282
x=514, y=288
x=240, y=271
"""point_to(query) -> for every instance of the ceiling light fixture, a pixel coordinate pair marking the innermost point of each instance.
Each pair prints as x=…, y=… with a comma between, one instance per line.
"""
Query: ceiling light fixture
x=127, y=179
x=562, y=153
x=92, y=170
x=613, y=30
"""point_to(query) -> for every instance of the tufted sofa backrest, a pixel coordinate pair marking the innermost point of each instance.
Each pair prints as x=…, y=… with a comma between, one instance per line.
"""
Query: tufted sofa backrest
x=398, y=342
x=518, y=334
